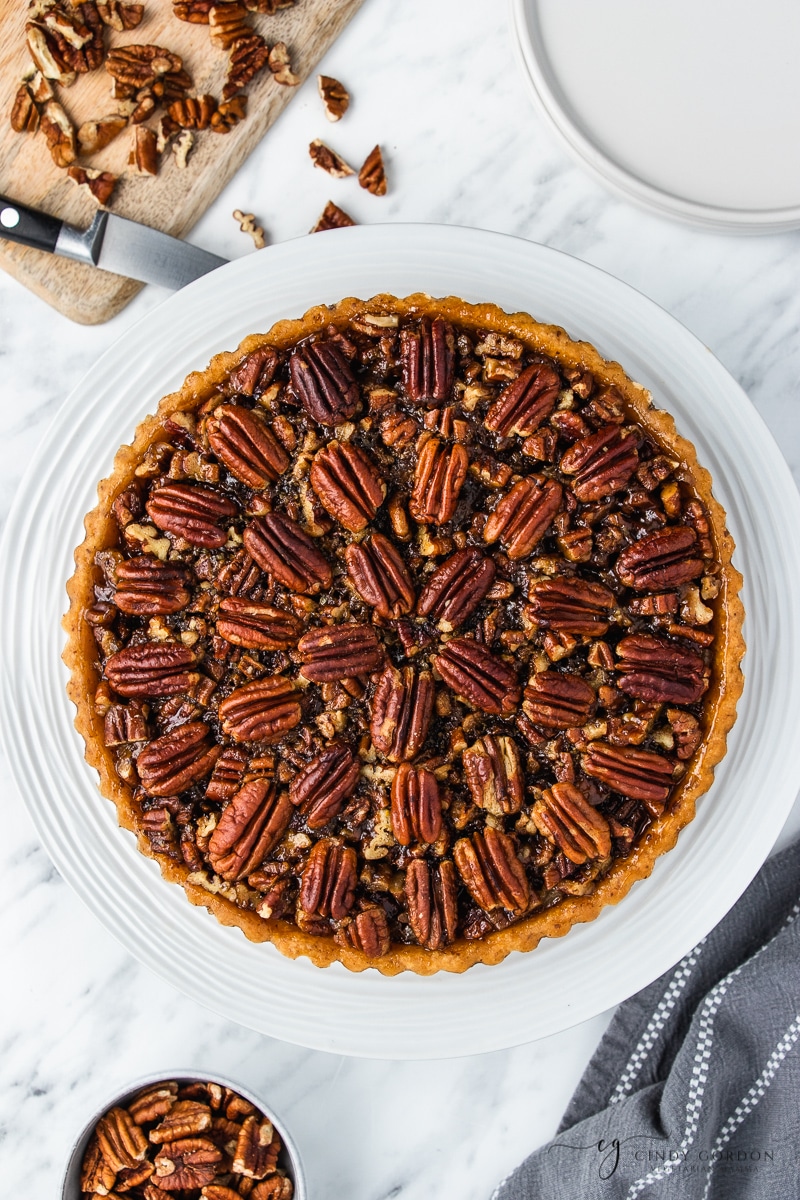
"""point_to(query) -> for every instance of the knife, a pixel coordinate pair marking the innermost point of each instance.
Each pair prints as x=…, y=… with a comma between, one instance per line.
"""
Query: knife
x=111, y=243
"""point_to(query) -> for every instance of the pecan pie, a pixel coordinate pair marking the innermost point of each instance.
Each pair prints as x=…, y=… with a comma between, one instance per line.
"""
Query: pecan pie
x=406, y=634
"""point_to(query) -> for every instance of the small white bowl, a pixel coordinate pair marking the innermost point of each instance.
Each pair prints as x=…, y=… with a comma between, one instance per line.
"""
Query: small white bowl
x=288, y=1160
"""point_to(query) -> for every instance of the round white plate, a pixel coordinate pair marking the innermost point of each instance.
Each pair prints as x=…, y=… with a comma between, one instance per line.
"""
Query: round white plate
x=527, y=996
x=691, y=108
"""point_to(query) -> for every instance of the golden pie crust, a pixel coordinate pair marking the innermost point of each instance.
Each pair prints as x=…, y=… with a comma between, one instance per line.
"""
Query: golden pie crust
x=720, y=701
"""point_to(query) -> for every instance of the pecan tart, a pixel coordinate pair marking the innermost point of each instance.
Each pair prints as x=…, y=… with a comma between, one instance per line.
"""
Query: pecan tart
x=406, y=635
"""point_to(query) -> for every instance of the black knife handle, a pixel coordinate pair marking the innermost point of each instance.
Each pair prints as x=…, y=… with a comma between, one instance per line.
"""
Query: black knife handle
x=18, y=223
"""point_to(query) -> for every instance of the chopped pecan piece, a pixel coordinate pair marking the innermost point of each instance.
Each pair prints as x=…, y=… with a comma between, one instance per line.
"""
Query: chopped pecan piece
x=143, y=156
x=243, y=441
x=379, y=575
x=249, y=828
x=661, y=560
x=52, y=54
x=524, y=404
x=332, y=217
x=416, y=806
x=120, y=1139
x=456, y=588
x=154, y=1102
x=256, y=626
x=24, y=113
x=602, y=463
x=558, y=701
x=151, y=669
x=372, y=175
x=493, y=773
x=228, y=115
x=493, y=874
x=337, y=652
x=523, y=516
x=97, y=1176
x=249, y=54
x=564, y=816
x=401, y=712
x=368, y=932
x=94, y=136
x=328, y=160
x=427, y=354
x=227, y=23
x=640, y=774
x=262, y=711
x=187, y=1163
x=572, y=606
x=656, y=670
x=191, y=511
x=254, y=373
x=335, y=97
x=280, y=64
x=430, y=894
x=145, y=586
x=184, y=1119
x=196, y=12
x=324, y=382
x=60, y=133
x=478, y=676
x=99, y=184
x=322, y=787
x=284, y=550
x=686, y=731
x=119, y=16
x=348, y=484
x=328, y=885
x=123, y=724
x=438, y=478
x=133, y=1177
x=171, y=763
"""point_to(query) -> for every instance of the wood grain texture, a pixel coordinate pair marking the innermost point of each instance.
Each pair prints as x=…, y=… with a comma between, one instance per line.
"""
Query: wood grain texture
x=175, y=199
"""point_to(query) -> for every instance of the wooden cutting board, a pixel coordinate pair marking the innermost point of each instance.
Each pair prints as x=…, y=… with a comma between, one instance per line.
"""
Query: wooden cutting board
x=173, y=200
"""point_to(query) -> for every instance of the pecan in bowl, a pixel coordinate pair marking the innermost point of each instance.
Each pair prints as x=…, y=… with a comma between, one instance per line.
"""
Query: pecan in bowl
x=188, y=1136
x=406, y=634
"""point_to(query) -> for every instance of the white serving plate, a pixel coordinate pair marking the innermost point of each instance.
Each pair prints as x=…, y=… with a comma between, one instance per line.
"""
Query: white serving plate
x=690, y=108
x=527, y=996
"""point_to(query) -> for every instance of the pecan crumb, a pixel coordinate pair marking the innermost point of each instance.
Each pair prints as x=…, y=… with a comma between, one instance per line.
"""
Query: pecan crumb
x=247, y=224
x=328, y=160
x=334, y=96
x=332, y=217
x=372, y=175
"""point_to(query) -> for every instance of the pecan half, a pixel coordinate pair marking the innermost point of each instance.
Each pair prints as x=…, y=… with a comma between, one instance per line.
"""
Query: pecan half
x=372, y=176
x=656, y=670
x=250, y=450
x=151, y=669
x=322, y=787
x=564, y=816
x=226, y=778
x=416, y=807
x=191, y=511
x=335, y=97
x=187, y=1163
x=277, y=1187
x=661, y=560
x=524, y=404
x=183, y=1119
x=493, y=874
x=523, y=516
x=254, y=373
x=140, y=66
x=171, y=763
x=640, y=774
x=558, y=701
x=193, y=112
x=572, y=606
x=401, y=712
x=368, y=932
x=438, y=478
x=348, y=484
x=256, y=626
x=337, y=652
x=328, y=885
x=120, y=1139
x=152, y=1103
x=379, y=575
x=430, y=894
x=227, y=23
x=248, y=55
x=601, y=463
x=478, y=676
x=324, y=382
x=249, y=828
x=456, y=588
x=120, y=16
x=285, y=551
x=124, y=723
x=493, y=773
x=428, y=355
x=257, y=1148
x=262, y=711
x=145, y=586
x=97, y=1177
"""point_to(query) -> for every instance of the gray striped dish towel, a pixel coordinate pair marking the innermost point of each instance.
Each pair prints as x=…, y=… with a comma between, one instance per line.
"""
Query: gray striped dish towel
x=694, y=1091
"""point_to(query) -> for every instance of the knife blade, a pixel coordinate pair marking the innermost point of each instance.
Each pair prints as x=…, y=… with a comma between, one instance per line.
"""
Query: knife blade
x=111, y=243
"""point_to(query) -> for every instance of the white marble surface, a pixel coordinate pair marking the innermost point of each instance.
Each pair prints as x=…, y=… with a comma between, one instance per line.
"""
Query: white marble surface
x=438, y=86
